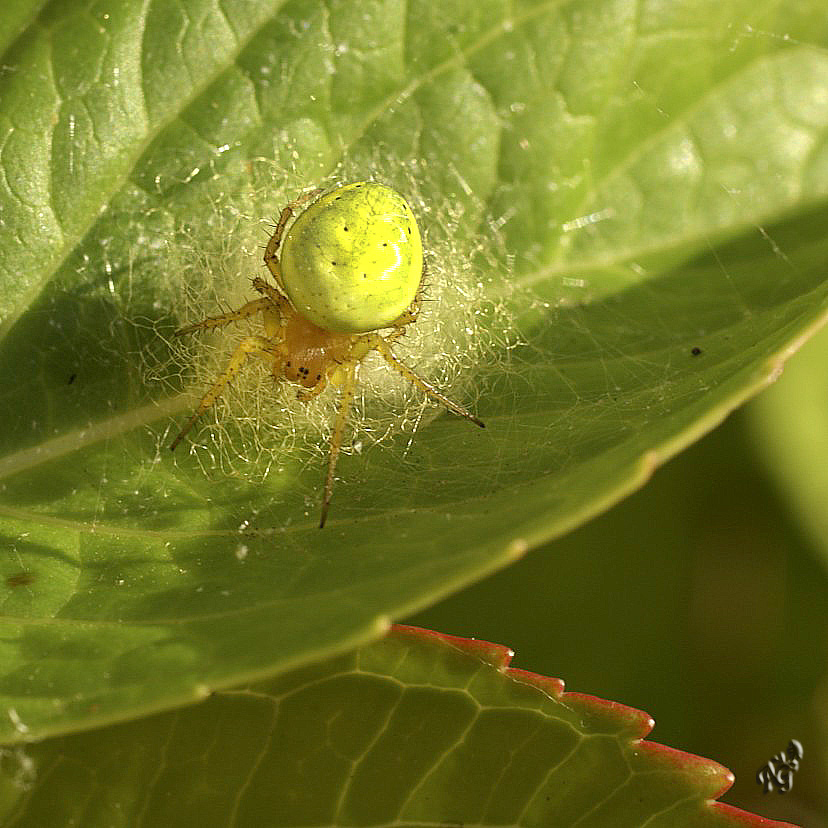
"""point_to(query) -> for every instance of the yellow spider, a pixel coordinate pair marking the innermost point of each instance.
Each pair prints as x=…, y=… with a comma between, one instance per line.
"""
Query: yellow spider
x=351, y=265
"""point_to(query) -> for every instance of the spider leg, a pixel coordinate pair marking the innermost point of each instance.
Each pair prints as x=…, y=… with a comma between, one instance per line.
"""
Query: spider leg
x=276, y=316
x=305, y=394
x=409, y=315
x=274, y=294
x=270, y=257
x=250, y=309
x=403, y=322
x=347, y=394
x=381, y=344
x=255, y=345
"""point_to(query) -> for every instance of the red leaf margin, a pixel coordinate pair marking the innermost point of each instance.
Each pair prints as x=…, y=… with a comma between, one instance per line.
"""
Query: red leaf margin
x=637, y=723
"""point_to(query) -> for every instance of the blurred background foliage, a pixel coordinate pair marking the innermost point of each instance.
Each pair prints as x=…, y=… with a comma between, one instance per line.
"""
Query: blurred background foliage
x=702, y=599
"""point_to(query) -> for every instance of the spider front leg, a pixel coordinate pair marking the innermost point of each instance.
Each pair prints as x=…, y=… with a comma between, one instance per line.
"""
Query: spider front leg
x=251, y=345
x=270, y=257
x=272, y=293
x=274, y=322
x=250, y=309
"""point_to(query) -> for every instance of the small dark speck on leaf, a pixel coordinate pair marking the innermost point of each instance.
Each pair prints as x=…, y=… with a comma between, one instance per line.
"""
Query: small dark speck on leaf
x=20, y=579
x=72, y=379
x=696, y=351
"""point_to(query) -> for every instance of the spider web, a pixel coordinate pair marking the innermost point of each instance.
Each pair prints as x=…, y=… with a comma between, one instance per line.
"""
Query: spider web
x=257, y=422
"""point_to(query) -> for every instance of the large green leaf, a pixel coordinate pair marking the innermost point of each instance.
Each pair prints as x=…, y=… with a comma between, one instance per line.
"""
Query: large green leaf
x=638, y=191
x=447, y=735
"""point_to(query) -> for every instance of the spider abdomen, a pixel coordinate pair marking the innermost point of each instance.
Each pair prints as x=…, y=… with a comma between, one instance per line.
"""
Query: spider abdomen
x=352, y=262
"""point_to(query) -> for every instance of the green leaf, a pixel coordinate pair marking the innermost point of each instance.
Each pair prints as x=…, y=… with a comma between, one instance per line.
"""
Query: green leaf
x=638, y=191
x=414, y=730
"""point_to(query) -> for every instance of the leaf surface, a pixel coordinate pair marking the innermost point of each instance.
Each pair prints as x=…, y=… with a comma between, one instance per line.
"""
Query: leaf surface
x=640, y=191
